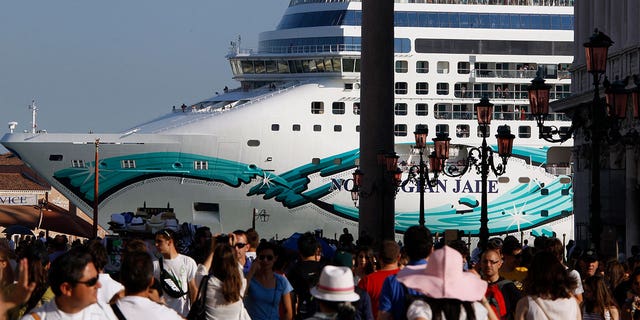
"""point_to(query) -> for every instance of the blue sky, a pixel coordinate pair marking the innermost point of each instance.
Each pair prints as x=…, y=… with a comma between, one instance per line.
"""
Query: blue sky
x=109, y=65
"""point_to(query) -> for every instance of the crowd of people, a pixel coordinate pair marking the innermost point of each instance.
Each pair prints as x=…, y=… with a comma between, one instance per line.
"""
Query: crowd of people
x=239, y=276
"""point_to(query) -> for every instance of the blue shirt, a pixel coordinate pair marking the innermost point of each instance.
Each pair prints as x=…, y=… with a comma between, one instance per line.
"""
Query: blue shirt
x=262, y=303
x=392, y=294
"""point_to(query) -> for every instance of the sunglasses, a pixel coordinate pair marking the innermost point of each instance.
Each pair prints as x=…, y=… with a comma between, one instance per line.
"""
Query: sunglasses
x=265, y=257
x=89, y=283
x=240, y=245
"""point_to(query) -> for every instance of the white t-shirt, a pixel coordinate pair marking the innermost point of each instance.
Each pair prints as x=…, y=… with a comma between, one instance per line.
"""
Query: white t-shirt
x=108, y=288
x=420, y=309
x=134, y=307
x=184, y=270
x=576, y=275
x=50, y=311
x=217, y=306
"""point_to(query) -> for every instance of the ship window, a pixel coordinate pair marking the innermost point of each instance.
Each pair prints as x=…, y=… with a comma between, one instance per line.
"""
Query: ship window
x=55, y=157
x=400, y=109
x=317, y=107
x=462, y=131
x=317, y=127
x=348, y=65
x=422, y=109
x=402, y=66
x=348, y=86
x=463, y=67
x=328, y=65
x=524, y=132
x=422, y=127
x=358, y=128
x=78, y=164
x=503, y=179
x=422, y=67
x=247, y=67
x=422, y=88
x=315, y=161
x=460, y=90
x=253, y=143
x=296, y=127
x=201, y=165
x=443, y=67
x=442, y=88
x=275, y=127
x=400, y=130
x=337, y=128
x=481, y=130
x=283, y=66
x=356, y=108
x=401, y=87
x=260, y=67
x=338, y=108
x=337, y=161
x=128, y=164
x=442, y=129
x=524, y=180
x=271, y=66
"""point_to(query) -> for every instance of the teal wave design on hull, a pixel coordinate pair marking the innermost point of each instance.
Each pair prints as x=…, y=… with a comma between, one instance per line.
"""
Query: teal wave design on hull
x=507, y=213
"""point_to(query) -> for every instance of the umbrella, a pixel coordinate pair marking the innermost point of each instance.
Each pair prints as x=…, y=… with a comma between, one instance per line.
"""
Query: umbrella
x=292, y=244
x=17, y=229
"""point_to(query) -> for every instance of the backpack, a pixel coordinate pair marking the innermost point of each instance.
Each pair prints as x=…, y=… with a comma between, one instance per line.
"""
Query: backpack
x=307, y=305
x=496, y=298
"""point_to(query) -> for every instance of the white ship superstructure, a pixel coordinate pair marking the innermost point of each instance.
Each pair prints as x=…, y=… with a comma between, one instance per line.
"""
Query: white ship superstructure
x=285, y=142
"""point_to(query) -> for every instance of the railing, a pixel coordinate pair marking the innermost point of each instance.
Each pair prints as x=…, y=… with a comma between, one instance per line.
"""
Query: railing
x=517, y=73
x=557, y=3
x=309, y=48
x=208, y=112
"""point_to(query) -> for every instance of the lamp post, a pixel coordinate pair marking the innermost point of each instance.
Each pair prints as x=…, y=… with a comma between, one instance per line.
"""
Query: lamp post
x=420, y=173
x=482, y=159
x=262, y=215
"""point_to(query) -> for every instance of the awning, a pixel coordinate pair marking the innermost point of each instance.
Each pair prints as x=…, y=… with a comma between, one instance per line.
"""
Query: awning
x=54, y=218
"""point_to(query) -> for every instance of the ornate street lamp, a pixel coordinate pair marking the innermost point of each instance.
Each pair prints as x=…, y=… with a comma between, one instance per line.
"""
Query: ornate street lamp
x=420, y=174
x=482, y=159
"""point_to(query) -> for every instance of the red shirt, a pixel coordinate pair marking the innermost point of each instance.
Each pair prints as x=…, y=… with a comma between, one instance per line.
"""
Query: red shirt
x=372, y=283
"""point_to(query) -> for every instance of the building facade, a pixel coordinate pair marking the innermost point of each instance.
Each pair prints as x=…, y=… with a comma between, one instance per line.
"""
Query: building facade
x=619, y=155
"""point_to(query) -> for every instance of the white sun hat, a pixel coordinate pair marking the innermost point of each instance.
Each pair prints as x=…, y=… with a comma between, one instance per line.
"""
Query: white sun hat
x=335, y=284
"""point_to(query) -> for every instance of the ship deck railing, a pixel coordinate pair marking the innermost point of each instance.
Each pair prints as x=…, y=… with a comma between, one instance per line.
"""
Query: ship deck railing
x=557, y=3
x=209, y=110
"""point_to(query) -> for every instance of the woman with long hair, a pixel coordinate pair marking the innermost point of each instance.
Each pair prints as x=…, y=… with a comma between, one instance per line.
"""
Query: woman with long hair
x=365, y=263
x=548, y=290
x=225, y=286
x=598, y=300
x=266, y=288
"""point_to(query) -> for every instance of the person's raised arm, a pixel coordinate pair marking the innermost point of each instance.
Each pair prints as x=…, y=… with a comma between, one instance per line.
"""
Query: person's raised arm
x=21, y=291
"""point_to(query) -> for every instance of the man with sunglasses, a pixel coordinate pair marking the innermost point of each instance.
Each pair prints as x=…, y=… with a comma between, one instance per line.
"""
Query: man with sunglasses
x=182, y=270
x=74, y=281
x=242, y=245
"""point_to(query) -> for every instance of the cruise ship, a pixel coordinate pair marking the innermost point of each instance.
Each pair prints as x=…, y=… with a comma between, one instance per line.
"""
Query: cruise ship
x=279, y=150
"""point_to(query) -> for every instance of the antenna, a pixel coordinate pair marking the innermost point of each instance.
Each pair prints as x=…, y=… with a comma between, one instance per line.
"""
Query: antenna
x=34, y=110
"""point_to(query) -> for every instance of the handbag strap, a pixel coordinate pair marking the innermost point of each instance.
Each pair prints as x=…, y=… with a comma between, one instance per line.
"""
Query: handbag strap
x=117, y=312
x=202, y=288
x=535, y=300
